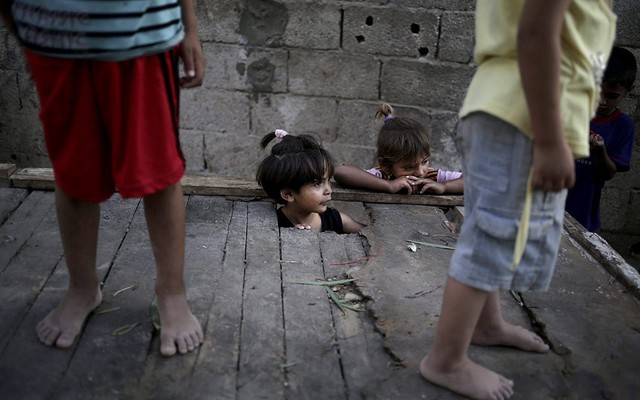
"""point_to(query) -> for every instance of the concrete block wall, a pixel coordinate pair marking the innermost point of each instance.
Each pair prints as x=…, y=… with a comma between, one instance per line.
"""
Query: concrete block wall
x=323, y=67
x=319, y=66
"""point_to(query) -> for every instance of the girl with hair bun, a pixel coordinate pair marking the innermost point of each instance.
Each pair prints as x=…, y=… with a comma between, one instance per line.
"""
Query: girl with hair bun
x=403, y=153
x=296, y=175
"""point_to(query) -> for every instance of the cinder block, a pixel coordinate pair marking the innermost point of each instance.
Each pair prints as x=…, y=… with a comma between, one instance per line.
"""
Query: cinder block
x=192, y=144
x=295, y=114
x=356, y=123
x=456, y=37
x=215, y=111
x=29, y=101
x=463, y=5
x=240, y=68
x=231, y=155
x=632, y=218
x=219, y=21
x=390, y=31
x=21, y=140
x=351, y=154
x=629, y=105
x=439, y=86
x=262, y=22
x=442, y=137
x=636, y=87
x=614, y=206
x=10, y=99
x=313, y=26
x=11, y=54
x=628, y=24
x=333, y=74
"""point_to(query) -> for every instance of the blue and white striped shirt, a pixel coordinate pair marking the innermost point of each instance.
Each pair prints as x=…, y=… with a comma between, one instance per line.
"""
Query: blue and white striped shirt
x=98, y=29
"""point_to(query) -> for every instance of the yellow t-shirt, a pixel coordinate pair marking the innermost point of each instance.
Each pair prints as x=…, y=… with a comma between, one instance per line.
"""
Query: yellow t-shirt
x=587, y=37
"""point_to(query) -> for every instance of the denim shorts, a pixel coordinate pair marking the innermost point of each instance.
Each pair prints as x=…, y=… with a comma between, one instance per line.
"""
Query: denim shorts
x=497, y=158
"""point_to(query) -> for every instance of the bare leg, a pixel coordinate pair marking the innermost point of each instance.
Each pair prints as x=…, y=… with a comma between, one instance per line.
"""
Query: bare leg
x=180, y=331
x=447, y=363
x=493, y=330
x=78, y=222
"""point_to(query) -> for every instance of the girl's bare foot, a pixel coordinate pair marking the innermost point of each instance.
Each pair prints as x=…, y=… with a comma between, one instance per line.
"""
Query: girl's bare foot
x=509, y=335
x=468, y=379
x=63, y=324
x=180, y=331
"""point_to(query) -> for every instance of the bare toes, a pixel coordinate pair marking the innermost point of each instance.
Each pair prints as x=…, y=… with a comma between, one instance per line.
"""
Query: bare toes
x=168, y=349
x=65, y=340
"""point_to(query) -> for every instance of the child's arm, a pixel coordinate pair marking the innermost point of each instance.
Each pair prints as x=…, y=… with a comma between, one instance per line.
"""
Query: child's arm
x=539, y=53
x=604, y=167
x=191, y=53
x=350, y=225
x=357, y=178
x=455, y=186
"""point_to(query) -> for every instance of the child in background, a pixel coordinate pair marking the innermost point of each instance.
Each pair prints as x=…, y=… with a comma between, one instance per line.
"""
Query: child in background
x=524, y=120
x=610, y=141
x=403, y=161
x=296, y=174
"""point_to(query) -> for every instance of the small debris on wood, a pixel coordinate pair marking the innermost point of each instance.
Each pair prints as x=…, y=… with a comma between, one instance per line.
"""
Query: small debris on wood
x=438, y=246
x=422, y=292
x=117, y=292
x=124, y=329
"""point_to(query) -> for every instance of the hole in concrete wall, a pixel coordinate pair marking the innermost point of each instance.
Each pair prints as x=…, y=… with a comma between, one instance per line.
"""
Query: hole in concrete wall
x=415, y=28
x=240, y=67
x=14, y=157
x=423, y=51
x=360, y=38
x=369, y=21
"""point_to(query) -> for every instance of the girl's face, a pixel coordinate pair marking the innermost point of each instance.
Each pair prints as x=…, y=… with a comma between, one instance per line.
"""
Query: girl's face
x=416, y=167
x=312, y=197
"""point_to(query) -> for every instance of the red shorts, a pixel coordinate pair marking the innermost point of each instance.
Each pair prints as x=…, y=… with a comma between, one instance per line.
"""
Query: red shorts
x=110, y=124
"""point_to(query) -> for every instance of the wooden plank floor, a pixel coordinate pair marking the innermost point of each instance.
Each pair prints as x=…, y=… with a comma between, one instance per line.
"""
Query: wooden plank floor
x=267, y=336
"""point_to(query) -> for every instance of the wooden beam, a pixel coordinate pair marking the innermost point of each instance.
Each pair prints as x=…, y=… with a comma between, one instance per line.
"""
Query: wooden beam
x=606, y=255
x=42, y=179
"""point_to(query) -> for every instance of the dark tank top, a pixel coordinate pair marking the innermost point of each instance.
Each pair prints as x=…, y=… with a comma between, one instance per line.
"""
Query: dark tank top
x=331, y=220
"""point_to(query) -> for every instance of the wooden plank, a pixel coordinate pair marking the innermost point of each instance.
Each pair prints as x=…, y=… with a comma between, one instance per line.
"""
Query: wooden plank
x=216, y=369
x=6, y=170
x=207, y=223
x=27, y=272
x=32, y=370
x=22, y=224
x=260, y=374
x=214, y=185
x=42, y=178
x=309, y=331
x=33, y=178
x=386, y=198
x=364, y=361
x=606, y=255
x=10, y=199
x=106, y=365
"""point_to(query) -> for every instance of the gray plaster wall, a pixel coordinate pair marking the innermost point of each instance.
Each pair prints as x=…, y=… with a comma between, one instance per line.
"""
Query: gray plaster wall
x=319, y=66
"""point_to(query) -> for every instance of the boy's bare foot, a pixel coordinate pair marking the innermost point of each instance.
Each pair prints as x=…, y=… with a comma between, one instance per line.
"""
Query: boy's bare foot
x=63, y=324
x=509, y=335
x=468, y=379
x=180, y=331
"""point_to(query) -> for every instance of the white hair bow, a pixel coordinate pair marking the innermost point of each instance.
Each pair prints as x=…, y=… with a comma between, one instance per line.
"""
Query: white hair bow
x=281, y=133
